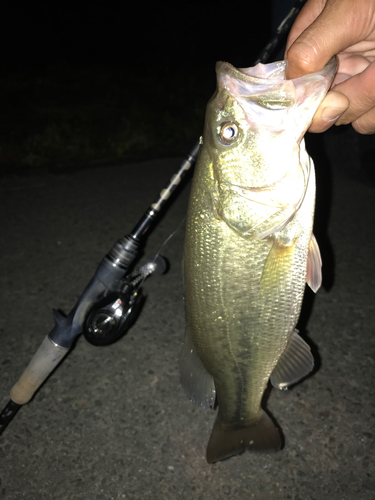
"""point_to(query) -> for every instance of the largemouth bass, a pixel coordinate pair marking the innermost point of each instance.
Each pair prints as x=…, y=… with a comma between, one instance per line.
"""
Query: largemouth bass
x=249, y=250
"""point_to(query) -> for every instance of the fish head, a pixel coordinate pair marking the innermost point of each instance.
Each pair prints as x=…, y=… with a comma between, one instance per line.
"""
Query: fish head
x=254, y=126
x=256, y=120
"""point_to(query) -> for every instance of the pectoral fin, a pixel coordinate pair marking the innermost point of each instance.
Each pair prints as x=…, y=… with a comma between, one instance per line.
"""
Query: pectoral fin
x=295, y=363
x=197, y=383
x=277, y=266
x=314, y=266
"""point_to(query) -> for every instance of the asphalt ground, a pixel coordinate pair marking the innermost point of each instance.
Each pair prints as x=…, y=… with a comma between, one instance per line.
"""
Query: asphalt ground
x=112, y=422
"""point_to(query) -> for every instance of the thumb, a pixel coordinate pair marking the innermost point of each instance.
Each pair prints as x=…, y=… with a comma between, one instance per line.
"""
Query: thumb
x=340, y=25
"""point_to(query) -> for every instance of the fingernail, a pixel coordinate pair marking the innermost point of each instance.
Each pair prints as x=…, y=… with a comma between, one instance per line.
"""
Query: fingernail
x=332, y=114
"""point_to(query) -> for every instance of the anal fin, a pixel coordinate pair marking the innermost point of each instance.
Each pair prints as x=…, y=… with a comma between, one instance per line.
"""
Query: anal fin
x=197, y=383
x=295, y=363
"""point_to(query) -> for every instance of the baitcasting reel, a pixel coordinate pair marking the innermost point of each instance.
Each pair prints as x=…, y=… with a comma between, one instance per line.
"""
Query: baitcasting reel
x=111, y=318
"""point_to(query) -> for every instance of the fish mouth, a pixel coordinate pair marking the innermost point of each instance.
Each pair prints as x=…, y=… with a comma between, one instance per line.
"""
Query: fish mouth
x=263, y=88
x=260, y=74
x=271, y=74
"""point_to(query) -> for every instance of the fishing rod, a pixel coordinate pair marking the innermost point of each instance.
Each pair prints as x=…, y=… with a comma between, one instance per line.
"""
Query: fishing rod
x=111, y=302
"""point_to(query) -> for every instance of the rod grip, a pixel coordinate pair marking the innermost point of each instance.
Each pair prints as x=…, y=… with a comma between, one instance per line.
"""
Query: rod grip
x=44, y=361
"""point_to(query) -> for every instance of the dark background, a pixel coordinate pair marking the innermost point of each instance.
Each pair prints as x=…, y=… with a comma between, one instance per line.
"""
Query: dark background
x=182, y=34
x=100, y=82
x=106, y=82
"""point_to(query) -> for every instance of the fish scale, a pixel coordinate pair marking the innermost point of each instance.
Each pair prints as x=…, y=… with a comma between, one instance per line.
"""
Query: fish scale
x=247, y=247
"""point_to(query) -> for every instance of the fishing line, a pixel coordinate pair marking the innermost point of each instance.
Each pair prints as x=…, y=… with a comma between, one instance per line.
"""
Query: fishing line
x=167, y=240
x=170, y=237
x=153, y=261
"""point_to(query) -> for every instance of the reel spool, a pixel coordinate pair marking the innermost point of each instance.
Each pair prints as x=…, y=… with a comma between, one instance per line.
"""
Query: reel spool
x=109, y=323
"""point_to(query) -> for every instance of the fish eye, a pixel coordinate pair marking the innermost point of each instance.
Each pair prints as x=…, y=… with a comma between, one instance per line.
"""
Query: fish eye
x=228, y=133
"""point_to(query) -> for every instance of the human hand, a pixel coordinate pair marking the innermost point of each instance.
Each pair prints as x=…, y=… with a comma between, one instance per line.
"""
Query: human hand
x=345, y=28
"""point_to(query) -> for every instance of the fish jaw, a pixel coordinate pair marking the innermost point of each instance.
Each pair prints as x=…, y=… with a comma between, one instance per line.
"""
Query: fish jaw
x=264, y=87
x=266, y=111
x=269, y=110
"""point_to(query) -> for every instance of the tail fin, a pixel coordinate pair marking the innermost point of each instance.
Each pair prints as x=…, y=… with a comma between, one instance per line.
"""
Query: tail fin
x=260, y=436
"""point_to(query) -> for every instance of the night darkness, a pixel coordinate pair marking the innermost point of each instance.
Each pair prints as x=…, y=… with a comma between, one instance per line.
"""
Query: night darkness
x=196, y=34
x=105, y=82
x=102, y=82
